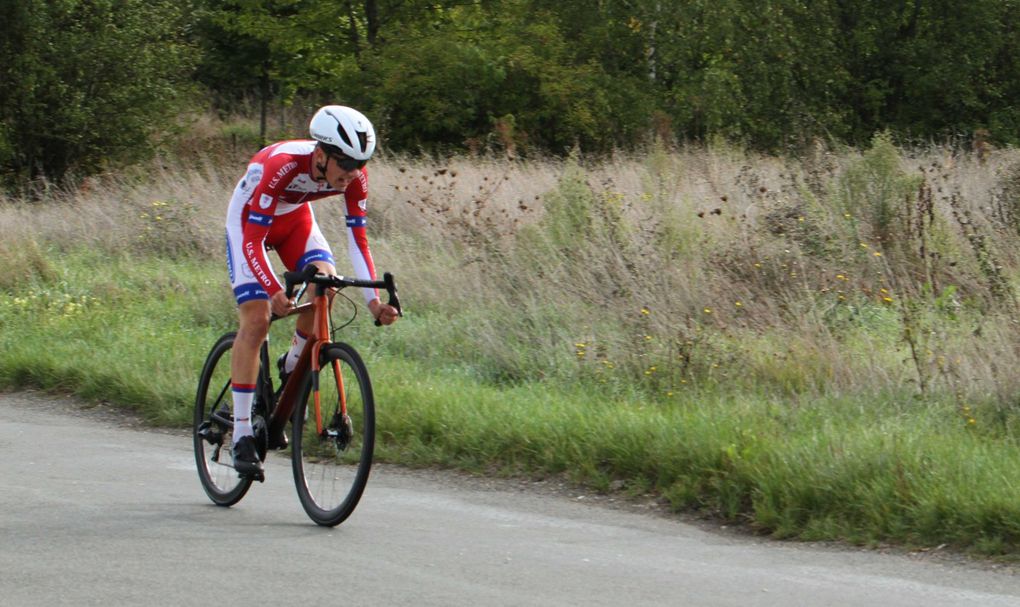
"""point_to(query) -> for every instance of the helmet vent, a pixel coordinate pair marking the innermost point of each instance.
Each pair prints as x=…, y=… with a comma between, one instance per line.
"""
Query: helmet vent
x=343, y=133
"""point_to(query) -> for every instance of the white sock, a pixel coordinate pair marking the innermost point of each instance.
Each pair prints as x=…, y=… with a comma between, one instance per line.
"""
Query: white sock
x=296, y=346
x=243, y=395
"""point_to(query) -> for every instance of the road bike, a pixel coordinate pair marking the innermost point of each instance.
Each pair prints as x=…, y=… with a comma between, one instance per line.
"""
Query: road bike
x=327, y=398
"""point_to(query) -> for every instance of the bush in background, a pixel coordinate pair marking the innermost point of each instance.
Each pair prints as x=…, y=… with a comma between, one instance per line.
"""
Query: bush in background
x=87, y=84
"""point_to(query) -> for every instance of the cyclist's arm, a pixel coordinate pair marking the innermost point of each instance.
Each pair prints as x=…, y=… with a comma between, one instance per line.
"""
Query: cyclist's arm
x=260, y=218
x=356, y=197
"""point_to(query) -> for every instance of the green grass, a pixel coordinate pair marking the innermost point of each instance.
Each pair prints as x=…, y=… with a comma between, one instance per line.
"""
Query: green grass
x=865, y=469
x=131, y=332
x=817, y=350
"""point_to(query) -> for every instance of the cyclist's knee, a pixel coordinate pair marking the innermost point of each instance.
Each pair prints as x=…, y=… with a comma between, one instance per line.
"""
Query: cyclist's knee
x=254, y=322
x=324, y=267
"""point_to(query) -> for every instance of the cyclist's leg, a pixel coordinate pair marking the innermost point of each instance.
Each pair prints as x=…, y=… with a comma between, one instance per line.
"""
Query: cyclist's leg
x=303, y=246
x=253, y=327
x=253, y=317
x=305, y=321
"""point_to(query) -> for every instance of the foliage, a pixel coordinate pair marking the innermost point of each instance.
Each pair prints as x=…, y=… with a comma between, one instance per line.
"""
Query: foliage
x=527, y=90
x=518, y=76
x=877, y=189
x=86, y=83
x=528, y=75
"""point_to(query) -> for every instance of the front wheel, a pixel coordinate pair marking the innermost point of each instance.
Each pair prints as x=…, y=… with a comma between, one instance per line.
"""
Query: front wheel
x=332, y=451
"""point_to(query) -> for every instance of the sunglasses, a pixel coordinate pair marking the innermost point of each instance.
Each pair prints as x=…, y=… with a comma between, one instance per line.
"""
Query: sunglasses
x=348, y=164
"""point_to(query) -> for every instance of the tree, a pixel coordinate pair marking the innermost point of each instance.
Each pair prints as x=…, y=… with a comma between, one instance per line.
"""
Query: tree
x=772, y=74
x=84, y=83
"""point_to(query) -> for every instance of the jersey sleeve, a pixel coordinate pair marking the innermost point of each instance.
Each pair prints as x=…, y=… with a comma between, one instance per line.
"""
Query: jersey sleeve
x=279, y=171
x=356, y=197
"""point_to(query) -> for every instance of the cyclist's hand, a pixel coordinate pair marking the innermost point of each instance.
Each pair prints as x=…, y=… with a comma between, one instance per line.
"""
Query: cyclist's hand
x=279, y=303
x=384, y=313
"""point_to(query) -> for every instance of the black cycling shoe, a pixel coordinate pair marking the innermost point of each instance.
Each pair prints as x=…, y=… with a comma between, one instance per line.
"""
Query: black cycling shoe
x=246, y=458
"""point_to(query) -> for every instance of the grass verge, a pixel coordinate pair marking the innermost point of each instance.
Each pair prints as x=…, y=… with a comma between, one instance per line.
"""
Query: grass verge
x=885, y=467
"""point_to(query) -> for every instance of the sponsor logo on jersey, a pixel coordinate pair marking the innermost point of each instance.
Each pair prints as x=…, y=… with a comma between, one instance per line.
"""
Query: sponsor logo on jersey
x=260, y=220
x=260, y=274
x=282, y=173
x=254, y=174
x=265, y=201
x=316, y=255
x=363, y=204
x=304, y=183
x=247, y=292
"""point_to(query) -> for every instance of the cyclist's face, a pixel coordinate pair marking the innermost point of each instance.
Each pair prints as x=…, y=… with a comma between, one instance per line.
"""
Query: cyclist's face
x=336, y=176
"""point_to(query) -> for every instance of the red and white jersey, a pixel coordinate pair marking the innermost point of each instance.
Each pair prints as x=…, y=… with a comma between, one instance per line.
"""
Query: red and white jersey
x=279, y=182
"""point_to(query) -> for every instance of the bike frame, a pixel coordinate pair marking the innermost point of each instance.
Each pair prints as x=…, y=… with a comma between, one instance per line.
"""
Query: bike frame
x=320, y=338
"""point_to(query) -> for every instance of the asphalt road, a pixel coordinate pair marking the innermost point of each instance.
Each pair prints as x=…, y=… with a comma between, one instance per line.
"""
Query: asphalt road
x=95, y=510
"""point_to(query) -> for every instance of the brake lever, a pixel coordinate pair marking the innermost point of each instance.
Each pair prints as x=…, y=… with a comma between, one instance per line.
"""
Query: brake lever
x=391, y=292
x=294, y=278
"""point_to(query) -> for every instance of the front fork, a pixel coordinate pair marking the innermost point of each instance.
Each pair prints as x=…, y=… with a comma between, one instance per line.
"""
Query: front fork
x=340, y=428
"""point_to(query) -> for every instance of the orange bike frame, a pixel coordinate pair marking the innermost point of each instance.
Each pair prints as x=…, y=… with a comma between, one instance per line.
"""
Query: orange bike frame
x=309, y=359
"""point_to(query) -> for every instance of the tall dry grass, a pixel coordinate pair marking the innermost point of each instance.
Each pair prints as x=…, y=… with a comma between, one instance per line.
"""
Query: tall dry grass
x=845, y=271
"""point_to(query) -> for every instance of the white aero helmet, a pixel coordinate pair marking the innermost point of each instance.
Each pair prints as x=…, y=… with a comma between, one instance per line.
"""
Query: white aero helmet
x=344, y=129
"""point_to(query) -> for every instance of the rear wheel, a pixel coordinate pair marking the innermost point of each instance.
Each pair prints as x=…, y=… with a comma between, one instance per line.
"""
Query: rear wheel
x=213, y=428
x=332, y=453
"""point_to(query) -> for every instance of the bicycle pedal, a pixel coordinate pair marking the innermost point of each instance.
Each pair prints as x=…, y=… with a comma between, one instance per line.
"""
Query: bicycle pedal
x=211, y=434
x=255, y=476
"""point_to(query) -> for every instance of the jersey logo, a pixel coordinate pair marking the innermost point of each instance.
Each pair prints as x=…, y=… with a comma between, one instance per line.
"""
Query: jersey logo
x=254, y=174
x=282, y=173
x=303, y=183
x=265, y=201
x=260, y=219
x=363, y=204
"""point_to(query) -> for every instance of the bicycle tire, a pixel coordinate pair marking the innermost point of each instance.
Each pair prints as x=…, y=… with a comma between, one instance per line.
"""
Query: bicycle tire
x=331, y=478
x=213, y=456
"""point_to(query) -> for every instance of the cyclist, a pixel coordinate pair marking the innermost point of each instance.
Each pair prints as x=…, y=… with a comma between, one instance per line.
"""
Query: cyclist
x=270, y=207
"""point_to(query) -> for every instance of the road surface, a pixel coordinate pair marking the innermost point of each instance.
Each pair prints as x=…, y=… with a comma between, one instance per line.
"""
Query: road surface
x=95, y=510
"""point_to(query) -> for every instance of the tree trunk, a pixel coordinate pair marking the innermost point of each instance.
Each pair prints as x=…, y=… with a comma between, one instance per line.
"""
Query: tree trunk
x=353, y=32
x=372, y=17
